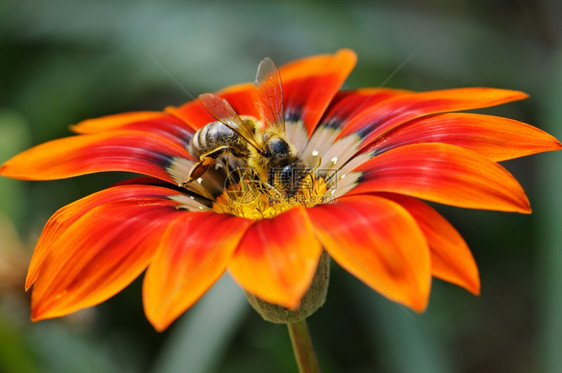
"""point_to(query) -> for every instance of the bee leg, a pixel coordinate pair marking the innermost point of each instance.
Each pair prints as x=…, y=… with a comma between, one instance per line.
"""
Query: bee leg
x=205, y=161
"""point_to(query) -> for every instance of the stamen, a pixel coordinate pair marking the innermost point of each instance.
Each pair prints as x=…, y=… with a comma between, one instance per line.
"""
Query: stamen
x=255, y=199
x=315, y=153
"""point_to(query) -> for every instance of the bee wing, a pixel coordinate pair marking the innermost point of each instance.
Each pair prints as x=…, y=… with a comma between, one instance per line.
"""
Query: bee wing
x=270, y=92
x=224, y=113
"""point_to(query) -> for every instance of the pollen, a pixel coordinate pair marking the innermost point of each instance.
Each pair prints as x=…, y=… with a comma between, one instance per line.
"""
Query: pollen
x=256, y=200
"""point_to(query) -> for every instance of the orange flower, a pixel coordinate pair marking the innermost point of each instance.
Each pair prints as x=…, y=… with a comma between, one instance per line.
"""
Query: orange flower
x=369, y=154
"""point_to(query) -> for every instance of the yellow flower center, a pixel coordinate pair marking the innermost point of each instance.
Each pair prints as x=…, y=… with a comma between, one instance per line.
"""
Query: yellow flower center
x=253, y=199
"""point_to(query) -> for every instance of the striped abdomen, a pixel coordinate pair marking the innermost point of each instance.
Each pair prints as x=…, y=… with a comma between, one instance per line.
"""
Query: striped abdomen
x=215, y=135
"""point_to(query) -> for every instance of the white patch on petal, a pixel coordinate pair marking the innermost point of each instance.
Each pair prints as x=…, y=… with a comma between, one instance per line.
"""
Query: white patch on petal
x=342, y=186
x=334, y=153
x=296, y=133
x=346, y=179
x=341, y=151
x=189, y=203
x=208, y=186
x=179, y=169
x=354, y=163
x=319, y=143
x=338, y=161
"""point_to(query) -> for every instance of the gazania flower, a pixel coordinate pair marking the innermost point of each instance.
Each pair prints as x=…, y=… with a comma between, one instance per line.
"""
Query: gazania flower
x=370, y=155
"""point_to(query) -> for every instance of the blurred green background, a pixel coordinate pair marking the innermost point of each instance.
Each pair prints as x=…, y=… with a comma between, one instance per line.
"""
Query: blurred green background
x=65, y=61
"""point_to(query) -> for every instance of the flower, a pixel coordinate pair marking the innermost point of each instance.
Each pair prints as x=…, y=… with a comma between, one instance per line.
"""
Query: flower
x=372, y=154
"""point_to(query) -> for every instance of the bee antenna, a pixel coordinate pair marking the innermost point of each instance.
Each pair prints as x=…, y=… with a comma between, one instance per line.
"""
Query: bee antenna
x=386, y=80
x=185, y=90
x=173, y=78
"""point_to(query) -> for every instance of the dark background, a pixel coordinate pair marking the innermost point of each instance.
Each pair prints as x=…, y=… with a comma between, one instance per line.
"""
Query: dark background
x=65, y=61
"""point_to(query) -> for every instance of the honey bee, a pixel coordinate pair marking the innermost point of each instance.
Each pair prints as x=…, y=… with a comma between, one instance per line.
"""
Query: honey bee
x=262, y=145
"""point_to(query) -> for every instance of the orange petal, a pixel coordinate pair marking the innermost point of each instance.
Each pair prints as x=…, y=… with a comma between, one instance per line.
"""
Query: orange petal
x=241, y=97
x=346, y=104
x=60, y=222
x=113, y=122
x=494, y=137
x=130, y=151
x=309, y=85
x=193, y=254
x=451, y=259
x=378, y=242
x=158, y=123
x=277, y=258
x=99, y=254
x=373, y=121
x=445, y=174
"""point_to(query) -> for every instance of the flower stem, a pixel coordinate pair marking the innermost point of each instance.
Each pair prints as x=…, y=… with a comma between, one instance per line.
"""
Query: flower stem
x=302, y=346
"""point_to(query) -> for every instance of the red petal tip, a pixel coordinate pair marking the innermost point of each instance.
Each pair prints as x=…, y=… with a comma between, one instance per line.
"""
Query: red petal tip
x=421, y=306
x=3, y=168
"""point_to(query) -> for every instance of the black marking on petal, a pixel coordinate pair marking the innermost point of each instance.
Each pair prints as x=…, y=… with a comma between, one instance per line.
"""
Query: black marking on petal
x=333, y=122
x=147, y=180
x=362, y=177
x=293, y=114
x=161, y=159
x=364, y=131
x=369, y=127
x=179, y=132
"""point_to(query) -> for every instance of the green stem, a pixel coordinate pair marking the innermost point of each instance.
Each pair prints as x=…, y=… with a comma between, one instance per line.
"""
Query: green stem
x=302, y=346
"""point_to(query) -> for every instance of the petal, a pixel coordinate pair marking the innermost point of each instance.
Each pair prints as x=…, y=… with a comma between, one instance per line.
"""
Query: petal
x=64, y=218
x=451, y=259
x=241, y=97
x=445, y=174
x=378, y=242
x=130, y=151
x=346, y=104
x=373, y=121
x=309, y=85
x=494, y=137
x=323, y=149
x=99, y=254
x=157, y=123
x=193, y=254
x=277, y=258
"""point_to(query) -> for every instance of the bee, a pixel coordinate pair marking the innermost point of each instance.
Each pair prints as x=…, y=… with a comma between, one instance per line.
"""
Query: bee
x=262, y=145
